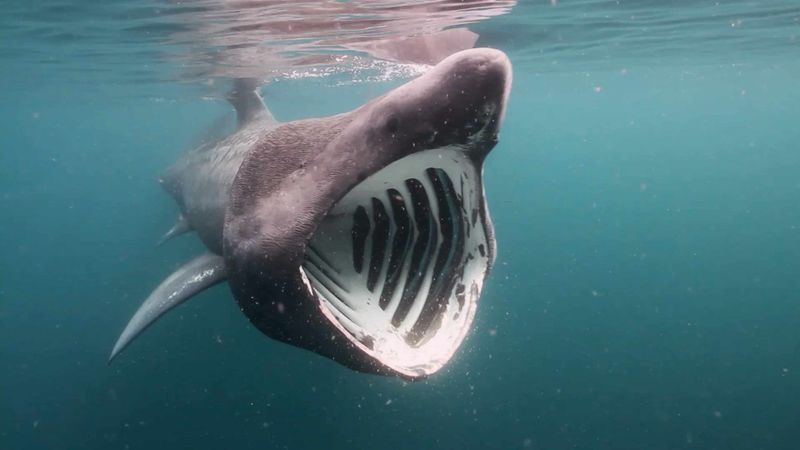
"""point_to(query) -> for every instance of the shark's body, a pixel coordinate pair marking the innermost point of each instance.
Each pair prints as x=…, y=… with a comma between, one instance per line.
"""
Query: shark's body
x=364, y=236
x=201, y=180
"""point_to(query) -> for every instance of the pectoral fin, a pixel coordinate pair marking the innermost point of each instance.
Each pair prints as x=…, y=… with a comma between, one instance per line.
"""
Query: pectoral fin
x=181, y=226
x=193, y=277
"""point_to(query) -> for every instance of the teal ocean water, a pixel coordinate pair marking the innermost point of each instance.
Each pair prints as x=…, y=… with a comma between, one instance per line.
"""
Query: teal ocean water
x=645, y=194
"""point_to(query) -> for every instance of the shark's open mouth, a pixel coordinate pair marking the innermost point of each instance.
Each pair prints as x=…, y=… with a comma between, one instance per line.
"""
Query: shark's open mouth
x=399, y=262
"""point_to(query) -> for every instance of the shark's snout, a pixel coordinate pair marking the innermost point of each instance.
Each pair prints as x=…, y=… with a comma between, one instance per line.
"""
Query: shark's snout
x=461, y=99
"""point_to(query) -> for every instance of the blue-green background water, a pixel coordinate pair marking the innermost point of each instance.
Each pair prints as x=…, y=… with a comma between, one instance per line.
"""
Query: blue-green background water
x=646, y=294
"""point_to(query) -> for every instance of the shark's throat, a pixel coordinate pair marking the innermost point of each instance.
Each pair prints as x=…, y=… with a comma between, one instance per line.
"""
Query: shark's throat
x=399, y=262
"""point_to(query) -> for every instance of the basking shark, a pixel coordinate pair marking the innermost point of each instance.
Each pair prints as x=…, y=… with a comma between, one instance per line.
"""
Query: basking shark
x=364, y=236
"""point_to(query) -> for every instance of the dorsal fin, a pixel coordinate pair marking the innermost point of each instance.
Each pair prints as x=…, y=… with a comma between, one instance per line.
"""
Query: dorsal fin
x=248, y=103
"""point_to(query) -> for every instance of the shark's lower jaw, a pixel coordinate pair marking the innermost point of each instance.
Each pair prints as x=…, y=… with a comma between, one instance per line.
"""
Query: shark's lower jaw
x=398, y=264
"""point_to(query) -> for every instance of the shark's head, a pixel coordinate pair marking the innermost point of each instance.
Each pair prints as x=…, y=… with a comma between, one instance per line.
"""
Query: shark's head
x=365, y=237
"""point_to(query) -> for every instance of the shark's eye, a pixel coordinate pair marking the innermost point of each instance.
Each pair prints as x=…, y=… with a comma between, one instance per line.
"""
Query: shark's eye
x=392, y=124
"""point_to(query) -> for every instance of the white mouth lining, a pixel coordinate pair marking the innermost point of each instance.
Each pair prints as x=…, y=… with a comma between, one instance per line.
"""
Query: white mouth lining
x=410, y=322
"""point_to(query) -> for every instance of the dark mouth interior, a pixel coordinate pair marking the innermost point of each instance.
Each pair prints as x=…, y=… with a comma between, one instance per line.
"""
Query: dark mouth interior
x=400, y=260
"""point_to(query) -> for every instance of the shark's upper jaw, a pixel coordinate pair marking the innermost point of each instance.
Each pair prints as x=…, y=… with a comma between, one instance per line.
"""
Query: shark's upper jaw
x=399, y=263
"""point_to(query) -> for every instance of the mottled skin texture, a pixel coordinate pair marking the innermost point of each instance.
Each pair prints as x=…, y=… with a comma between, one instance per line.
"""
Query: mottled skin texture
x=297, y=172
x=200, y=182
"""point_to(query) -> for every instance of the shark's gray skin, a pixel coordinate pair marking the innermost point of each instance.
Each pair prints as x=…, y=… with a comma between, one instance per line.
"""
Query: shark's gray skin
x=364, y=236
